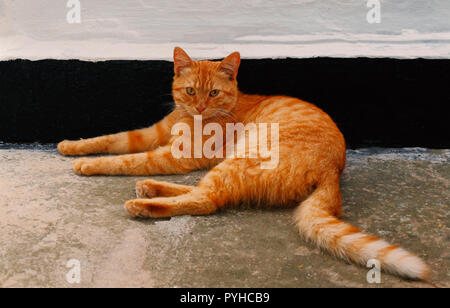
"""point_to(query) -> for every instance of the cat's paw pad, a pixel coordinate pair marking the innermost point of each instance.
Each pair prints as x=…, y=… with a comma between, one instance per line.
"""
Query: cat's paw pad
x=136, y=209
x=84, y=166
x=145, y=190
x=146, y=209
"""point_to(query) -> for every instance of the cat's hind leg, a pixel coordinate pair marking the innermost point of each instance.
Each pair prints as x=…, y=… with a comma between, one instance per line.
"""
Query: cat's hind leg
x=152, y=189
x=195, y=202
x=221, y=186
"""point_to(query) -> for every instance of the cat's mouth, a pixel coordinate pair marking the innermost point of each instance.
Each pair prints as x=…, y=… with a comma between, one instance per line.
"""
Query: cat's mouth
x=208, y=113
x=205, y=114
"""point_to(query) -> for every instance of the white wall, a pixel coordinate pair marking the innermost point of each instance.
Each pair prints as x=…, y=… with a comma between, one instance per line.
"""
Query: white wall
x=148, y=29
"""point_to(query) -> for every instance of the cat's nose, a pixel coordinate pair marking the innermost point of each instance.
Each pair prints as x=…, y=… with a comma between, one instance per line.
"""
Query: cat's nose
x=200, y=109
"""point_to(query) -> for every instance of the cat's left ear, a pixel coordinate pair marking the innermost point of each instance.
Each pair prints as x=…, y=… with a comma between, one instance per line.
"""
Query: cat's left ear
x=230, y=65
x=181, y=60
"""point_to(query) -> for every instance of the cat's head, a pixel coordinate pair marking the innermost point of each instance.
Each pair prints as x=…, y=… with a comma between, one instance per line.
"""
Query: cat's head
x=208, y=88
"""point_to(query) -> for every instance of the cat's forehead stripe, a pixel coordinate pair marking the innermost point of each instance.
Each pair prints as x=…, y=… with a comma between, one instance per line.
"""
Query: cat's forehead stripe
x=202, y=76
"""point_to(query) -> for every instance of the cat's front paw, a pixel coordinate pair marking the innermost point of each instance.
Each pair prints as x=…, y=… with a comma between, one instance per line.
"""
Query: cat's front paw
x=84, y=166
x=67, y=148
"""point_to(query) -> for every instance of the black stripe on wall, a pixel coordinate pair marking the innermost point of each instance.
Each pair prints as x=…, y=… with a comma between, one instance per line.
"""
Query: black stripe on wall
x=375, y=102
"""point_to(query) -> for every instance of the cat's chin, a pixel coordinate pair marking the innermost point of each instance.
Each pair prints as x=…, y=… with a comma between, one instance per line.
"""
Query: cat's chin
x=208, y=114
x=205, y=116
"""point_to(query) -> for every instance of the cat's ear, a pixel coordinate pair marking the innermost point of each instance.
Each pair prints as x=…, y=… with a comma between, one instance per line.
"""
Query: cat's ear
x=181, y=60
x=230, y=65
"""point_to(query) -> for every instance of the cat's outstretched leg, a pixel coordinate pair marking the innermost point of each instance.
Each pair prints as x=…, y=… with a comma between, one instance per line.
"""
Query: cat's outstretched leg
x=195, y=202
x=152, y=189
x=159, y=161
x=220, y=187
x=122, y=143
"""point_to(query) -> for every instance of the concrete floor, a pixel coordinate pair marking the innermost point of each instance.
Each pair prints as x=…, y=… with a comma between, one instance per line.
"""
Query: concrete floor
x=48, y=216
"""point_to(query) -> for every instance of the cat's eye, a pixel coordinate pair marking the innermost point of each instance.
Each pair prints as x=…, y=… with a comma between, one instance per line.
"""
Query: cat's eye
x=214, y=93
x=190, y=91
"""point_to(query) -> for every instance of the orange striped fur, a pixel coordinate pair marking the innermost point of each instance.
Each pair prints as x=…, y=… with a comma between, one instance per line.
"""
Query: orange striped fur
x=311, y=160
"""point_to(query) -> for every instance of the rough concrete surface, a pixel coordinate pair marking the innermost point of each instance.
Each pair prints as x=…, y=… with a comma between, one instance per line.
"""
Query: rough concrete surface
x=49, y=215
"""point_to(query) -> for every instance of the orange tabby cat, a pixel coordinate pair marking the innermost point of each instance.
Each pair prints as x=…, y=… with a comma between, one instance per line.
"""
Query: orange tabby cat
x=311, y=160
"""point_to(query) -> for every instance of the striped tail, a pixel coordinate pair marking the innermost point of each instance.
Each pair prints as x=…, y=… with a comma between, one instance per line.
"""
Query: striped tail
x=317, y=223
